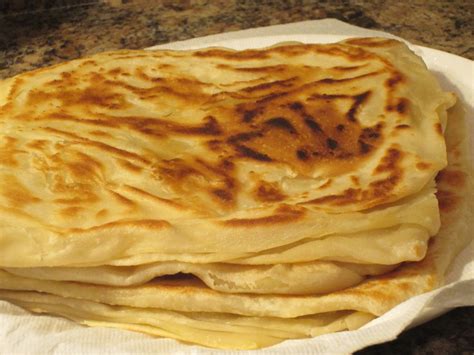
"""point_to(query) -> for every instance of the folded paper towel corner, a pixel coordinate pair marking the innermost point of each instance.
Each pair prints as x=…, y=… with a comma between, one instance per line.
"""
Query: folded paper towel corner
x=231, y=199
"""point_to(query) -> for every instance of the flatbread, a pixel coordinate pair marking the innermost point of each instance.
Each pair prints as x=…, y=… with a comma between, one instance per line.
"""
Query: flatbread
x=217, y=330
x=214, y=154
x=296, y=279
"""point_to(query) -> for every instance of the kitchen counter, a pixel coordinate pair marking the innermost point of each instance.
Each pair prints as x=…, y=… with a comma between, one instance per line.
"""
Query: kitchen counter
x=34, y=34
x=32, y=37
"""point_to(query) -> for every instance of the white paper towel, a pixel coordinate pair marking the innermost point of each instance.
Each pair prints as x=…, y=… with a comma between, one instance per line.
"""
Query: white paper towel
x=24, y=333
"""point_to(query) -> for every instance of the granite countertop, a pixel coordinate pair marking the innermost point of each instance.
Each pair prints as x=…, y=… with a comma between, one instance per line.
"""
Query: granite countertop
x=33, y=36
x=36, y=37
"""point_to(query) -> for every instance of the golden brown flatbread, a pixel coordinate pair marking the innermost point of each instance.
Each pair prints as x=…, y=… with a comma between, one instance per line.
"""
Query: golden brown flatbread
x=241, y=205
x=216, y=155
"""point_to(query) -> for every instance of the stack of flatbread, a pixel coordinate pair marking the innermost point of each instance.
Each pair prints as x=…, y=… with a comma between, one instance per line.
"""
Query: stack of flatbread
x=232, y=199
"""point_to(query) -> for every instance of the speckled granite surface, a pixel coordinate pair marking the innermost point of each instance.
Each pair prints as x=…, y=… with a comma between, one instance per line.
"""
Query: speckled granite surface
x=36, y=37
x=43, y=37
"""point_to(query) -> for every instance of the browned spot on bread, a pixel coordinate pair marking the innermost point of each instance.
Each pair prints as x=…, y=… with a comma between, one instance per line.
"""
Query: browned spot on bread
x=127, y=165
x=120, y=199
x=224, y=186
x=232, y=55
x=62, y=133
x=402, y=126
x=282, y=123
x=364, y=147
x=382, y=188
x=401, y=106
x=448, y=201
x=455, y=152
x=210, y=127
x=394, y=80
x=15, y=193
x=270, y=85
x=371, y=133
x=248, y=115
x=14, y=90
x=349, y=53
x=223, y=195
x=84, y=167
x=176, y=169
x=348, y=196
x=223, y=169
x=326, y=184
x=130, y=55
x=151, y=197
x=331, y=143
x=140, y=73
x=454, y=178
x=8, y=152
x=182, y=283
x=259, y=69
x=72, y=211
x=355, y=180
x=389, y=162
x=302, y=154
x=98, y=133
x=38, y=144
x=88, y=62
x=114, y=151
x=96, y=95
x=439, y=129
x=84, y=196
x=345, y=80
x=377, y=192
x=252, y=154
x=163, y=65
x=296, y=106
x=405, y=286
x=214, y=144
x=373, y=42
x=312, y=124
x=102, y=92
x=304, y=134
x=115, y=71
x=97, y=144
x=214, y=179
x=226, y=165
x=283, y=214
x=268, y=192
x=150, y=224
x=358, y=101
x=423, y=166
x=348, y=68
x=102, y=213
x=271, y=97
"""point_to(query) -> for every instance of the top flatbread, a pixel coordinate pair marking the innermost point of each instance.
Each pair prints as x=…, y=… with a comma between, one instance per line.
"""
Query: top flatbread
x=194, y=153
